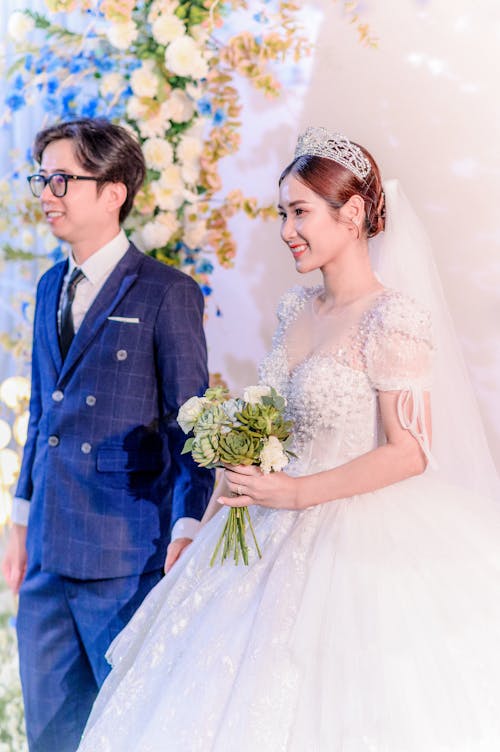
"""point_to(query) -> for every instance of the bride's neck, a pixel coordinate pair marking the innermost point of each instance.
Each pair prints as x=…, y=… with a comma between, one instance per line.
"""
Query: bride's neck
x=347, y=281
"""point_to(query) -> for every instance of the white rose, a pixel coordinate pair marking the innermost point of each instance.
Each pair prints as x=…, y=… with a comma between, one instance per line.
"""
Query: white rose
x=144, y=81
x=189, y=152
x=272, y=456
x=189, y=413
x=111, y=84
x=161, y=6
x=189, y=149
x=154, y=126
x=195, y=233
x=253, y=394
x=179, y=107
x=121, y=35
x=158, y=153
x=167, y=27
x=157, y=233
x=19, y=26
x=169, y=191
x=27, y=240
x=136, y=110
x=184, y=58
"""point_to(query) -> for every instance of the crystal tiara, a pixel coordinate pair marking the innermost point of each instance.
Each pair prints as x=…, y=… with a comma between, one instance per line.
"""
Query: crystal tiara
x=319, y=142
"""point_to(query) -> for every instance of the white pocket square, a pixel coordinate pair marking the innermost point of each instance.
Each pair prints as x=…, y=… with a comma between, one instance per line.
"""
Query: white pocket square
x=124, y=319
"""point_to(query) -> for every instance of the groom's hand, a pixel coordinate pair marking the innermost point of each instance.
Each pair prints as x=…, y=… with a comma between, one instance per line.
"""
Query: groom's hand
x=174, y=550
x=15, y=559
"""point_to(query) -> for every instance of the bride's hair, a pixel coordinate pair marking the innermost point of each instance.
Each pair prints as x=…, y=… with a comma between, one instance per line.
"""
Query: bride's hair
x=336, y=184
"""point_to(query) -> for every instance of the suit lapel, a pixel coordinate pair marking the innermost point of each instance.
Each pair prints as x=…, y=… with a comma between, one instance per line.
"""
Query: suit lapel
x=116, y=286
x=51, y=299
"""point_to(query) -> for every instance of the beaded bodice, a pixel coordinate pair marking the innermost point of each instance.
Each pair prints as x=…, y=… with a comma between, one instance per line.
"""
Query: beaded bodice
x=331, y=367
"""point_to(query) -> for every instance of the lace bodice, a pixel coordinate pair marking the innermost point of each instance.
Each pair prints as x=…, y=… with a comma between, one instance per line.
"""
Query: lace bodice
x=331, y=367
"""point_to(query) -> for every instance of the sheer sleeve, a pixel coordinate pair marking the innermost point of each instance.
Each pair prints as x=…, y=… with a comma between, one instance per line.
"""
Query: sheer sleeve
x=399, y=358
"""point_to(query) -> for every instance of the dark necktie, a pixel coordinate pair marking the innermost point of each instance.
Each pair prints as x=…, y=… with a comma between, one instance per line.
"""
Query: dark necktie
x=67, y=326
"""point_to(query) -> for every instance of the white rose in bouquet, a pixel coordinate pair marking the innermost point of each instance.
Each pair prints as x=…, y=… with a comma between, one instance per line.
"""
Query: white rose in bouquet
x=253, y=394
x=189, y=413
x=272, y=456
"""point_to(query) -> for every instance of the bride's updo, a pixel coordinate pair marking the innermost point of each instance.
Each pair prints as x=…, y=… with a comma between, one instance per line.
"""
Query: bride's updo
x=336, y=184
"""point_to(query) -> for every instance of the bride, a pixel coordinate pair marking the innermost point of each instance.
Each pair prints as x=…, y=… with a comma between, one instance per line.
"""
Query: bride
x=371, y=623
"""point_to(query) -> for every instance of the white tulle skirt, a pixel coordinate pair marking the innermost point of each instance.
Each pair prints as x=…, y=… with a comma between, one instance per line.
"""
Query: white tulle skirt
x=369, y=625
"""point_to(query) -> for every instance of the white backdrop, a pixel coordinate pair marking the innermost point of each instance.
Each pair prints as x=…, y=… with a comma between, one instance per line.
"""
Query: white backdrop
x=425, y=103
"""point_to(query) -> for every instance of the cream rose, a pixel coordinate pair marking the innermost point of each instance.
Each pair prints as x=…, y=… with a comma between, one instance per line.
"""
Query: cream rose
x=167, y=27
x=195, y=233
x=19, y=26
x=169, y=191
x=121, y=35
x=144, y=81
x=179, y=107
x=272, y=456
x=253, y=394
x=158, y=153
x=111, y=83
x=183, y=58
x=136, y=110
x=156, y=234
x=189, y=413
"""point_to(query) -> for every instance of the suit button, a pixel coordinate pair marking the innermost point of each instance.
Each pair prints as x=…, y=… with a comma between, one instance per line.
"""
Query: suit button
x=121, y=355
x=57, y=396
x=90, y=400
x=53, y=441
x=86, y=448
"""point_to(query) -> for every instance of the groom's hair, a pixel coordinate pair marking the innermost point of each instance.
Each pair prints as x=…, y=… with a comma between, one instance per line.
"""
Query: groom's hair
x=105, y=150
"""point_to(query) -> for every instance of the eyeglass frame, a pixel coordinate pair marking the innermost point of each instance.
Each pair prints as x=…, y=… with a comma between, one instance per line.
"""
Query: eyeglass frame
x=64, y=175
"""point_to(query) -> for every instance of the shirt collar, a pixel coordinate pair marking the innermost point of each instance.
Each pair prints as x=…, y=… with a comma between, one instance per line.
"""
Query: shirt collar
x=104, y=260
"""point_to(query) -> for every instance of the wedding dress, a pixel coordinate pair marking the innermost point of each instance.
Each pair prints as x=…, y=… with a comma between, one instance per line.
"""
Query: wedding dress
x=371, y=623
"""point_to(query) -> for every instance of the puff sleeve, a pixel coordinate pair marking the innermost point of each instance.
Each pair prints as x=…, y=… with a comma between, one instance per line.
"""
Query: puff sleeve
x=399, y=357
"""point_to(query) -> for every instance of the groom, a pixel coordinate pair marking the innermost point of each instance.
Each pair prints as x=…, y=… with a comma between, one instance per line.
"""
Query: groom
x=118, y=346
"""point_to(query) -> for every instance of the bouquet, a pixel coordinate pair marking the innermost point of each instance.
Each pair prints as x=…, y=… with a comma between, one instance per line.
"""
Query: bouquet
x=237, y=431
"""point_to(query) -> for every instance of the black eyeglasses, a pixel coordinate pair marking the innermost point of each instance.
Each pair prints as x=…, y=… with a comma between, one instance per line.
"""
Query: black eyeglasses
x=58, y=183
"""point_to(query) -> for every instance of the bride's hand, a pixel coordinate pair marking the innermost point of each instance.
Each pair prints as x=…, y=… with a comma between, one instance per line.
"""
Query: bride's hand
x=249, y=485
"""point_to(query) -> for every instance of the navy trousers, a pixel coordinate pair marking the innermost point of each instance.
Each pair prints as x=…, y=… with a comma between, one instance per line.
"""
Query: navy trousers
x=64, y=628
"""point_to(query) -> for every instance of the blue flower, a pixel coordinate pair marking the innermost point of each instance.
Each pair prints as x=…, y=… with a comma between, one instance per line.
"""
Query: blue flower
x=52, y=85
x=28, y=62
x=219, y=116
x=104, y=64
x=51, y=104
x=90, y=108
x=68, y=101
x=206, y=290
x=204, y=106
x=205, y=267
x=18, y=82
x=15, y=101
x=29, y=154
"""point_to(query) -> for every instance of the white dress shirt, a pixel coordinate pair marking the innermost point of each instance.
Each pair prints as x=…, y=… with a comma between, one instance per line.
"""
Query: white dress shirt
x=96, y=269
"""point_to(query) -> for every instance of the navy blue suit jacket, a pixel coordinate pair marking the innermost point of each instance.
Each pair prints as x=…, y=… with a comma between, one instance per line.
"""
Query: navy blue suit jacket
x=102, y=466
